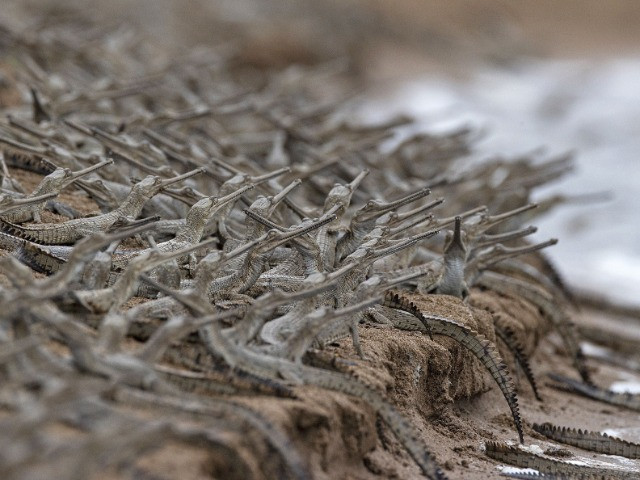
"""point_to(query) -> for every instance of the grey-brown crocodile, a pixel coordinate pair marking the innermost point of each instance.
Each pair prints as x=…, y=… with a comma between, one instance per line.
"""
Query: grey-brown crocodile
x=455, y=257
x=71, y=231
x=102, y=300
x=626, y=400
x=513, y=455
x=49, y=259
x=9, y=204
x=473, y=341
x=27, y=161
x=535, y=475
x=51, y=184
x=546, y=303
x=508, y=337
x=189, y=233
x=365, y=219
x=42, y=258
x=593, y=441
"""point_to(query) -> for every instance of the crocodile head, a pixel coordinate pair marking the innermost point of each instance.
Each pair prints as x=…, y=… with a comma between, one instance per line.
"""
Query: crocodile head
x=148, y=186
x=374, y=209
x=152, y=184
x=339, y=195
x=200, y=210
x=455, y=242
x=59, y=175
x=261, y=205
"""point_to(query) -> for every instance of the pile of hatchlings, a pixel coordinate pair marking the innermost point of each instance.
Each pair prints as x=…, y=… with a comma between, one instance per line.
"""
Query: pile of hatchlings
x=200, y=227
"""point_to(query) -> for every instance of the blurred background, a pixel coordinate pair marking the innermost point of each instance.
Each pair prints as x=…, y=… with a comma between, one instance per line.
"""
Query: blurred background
x=533, y=78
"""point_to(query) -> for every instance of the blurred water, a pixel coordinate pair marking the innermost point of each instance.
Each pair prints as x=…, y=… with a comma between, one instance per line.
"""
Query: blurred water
x=587, y=107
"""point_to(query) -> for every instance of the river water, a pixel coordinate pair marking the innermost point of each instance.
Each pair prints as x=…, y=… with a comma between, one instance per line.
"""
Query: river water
x=589, y=107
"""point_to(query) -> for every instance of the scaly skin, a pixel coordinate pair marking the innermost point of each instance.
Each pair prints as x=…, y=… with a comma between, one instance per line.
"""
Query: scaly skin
x=233, y=184
x=592, y=441
x=29, y=162
x=558, y=476
x=455, y=256
x=520, y=458
x=255, y=261
x=481, y=348
x=10, y=204
x=65, y=233
x=626, y=400
x=365, y=219
x=508, y=337
x=41, y=258
x=73, y=230
x=300, y=341
x=265, y=207
x=208, y=382
x=188, y=234
x=46, y=259
x=538, y=475
x=398, y=424
x=551, y=476
x=102, y=300
x=363, y=257
x=276, y=331
x=194, y=376
x=254, y=321
x=51, y=184
x=327, y=237
x=307, y=257
x=545, y=302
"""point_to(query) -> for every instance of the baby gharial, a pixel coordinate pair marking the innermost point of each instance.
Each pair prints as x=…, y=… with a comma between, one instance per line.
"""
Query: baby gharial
x=452, y=281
